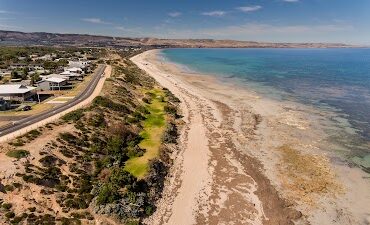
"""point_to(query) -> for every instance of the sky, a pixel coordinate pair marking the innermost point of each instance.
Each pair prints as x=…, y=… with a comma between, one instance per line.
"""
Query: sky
x=336, y=21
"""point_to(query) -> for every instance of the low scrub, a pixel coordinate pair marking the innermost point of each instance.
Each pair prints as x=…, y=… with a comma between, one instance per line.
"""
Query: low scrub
x=74, y=115
x=18, y=154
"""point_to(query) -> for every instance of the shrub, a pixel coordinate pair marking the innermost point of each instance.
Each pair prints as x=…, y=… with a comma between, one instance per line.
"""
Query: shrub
x=74, y=115
x=97, y=120
x=18, y=142
x=108, y=193
x=48, y=161
x=107, y=103
x=70, y=221
x=7, y=206
x=132, y=222
x=9, y=188
x=17, y=185
x=17, y=219
x=171, y=134
x=18, y=153
x=10, y=215
x=33, y=134
x=147, y=100
x=171, y=109
x=135, y=151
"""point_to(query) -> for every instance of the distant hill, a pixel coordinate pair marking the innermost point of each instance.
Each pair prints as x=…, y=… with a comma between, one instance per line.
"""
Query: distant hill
x=42, y=38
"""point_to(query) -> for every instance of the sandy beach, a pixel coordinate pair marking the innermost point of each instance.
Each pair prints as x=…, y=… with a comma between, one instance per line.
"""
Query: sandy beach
x=247, y=159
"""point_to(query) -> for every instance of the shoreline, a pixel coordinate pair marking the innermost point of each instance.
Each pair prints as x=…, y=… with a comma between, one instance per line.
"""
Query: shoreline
x=241, y=147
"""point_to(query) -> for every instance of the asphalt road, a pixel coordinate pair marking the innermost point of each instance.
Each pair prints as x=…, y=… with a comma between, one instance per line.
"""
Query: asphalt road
x=39, y=117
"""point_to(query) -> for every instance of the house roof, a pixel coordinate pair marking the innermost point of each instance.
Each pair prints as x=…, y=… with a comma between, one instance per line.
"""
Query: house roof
x=15, y=89
x=72, y=69
x=55, y=79
x=70, y=74
x=55, y=75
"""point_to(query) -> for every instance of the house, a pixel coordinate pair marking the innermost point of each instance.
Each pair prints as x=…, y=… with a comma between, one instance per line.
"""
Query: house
x=79, y=64
x=17, y=92
x=74, y=70
x=52, y=83
x=54, y=75
x=71, y=75
x=46, y=57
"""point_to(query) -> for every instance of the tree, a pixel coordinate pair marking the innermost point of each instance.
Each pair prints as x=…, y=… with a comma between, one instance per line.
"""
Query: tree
x=35, y=78
x=25, y=71
x=15, y=75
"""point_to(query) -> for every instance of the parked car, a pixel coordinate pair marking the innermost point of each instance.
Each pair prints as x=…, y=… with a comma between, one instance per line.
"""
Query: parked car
x=26, y=108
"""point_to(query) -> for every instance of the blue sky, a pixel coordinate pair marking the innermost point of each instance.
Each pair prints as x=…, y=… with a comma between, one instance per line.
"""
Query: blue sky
x=345, y=21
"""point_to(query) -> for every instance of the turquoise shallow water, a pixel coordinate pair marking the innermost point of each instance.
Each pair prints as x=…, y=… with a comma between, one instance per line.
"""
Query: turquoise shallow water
x=338, y=79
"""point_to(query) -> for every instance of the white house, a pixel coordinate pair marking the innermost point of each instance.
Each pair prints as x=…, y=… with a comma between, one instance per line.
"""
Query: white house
x=74, y=70
x=79, y=64
x=71, y=75
x=52, y=83
x=46, y=57
x=54, y=75
x=17, y=92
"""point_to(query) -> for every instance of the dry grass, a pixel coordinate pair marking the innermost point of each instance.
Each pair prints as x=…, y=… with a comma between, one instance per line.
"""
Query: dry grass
x=36, y=108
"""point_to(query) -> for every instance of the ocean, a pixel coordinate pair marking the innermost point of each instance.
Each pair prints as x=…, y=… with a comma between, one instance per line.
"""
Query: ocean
x=336, y=80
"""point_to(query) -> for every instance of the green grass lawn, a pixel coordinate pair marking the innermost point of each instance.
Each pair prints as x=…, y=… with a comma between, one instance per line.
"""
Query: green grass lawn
x=153, y=128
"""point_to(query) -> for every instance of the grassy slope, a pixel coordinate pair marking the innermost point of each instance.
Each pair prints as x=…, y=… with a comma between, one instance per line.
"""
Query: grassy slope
x=153, y=128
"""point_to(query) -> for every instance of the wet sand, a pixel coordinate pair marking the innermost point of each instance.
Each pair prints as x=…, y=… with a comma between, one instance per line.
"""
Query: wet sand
x=246, y=159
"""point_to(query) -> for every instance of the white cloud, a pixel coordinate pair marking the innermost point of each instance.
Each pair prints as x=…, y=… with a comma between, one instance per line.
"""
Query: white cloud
x=95, y=20
x=121, y=28
x=175, y=14
x=268, y=29
x=332, y=32
x=9, y=27
x=249, y=8
x=214, y=13
x=7, y=12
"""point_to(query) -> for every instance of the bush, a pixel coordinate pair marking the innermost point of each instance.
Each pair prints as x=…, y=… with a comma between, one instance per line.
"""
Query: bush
x=9, y=188
x=74, y=115
x=17, y=219
x=107, y=103
x=33, y=134
x=48, y=161
x=70, y=221
x=147, y=100
x=171, y=134
x=97, y=120
x=10, y=215
x=108, y=193
x=6, y=206
x=18, y=142
x=18, y=153
x=171, y=109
